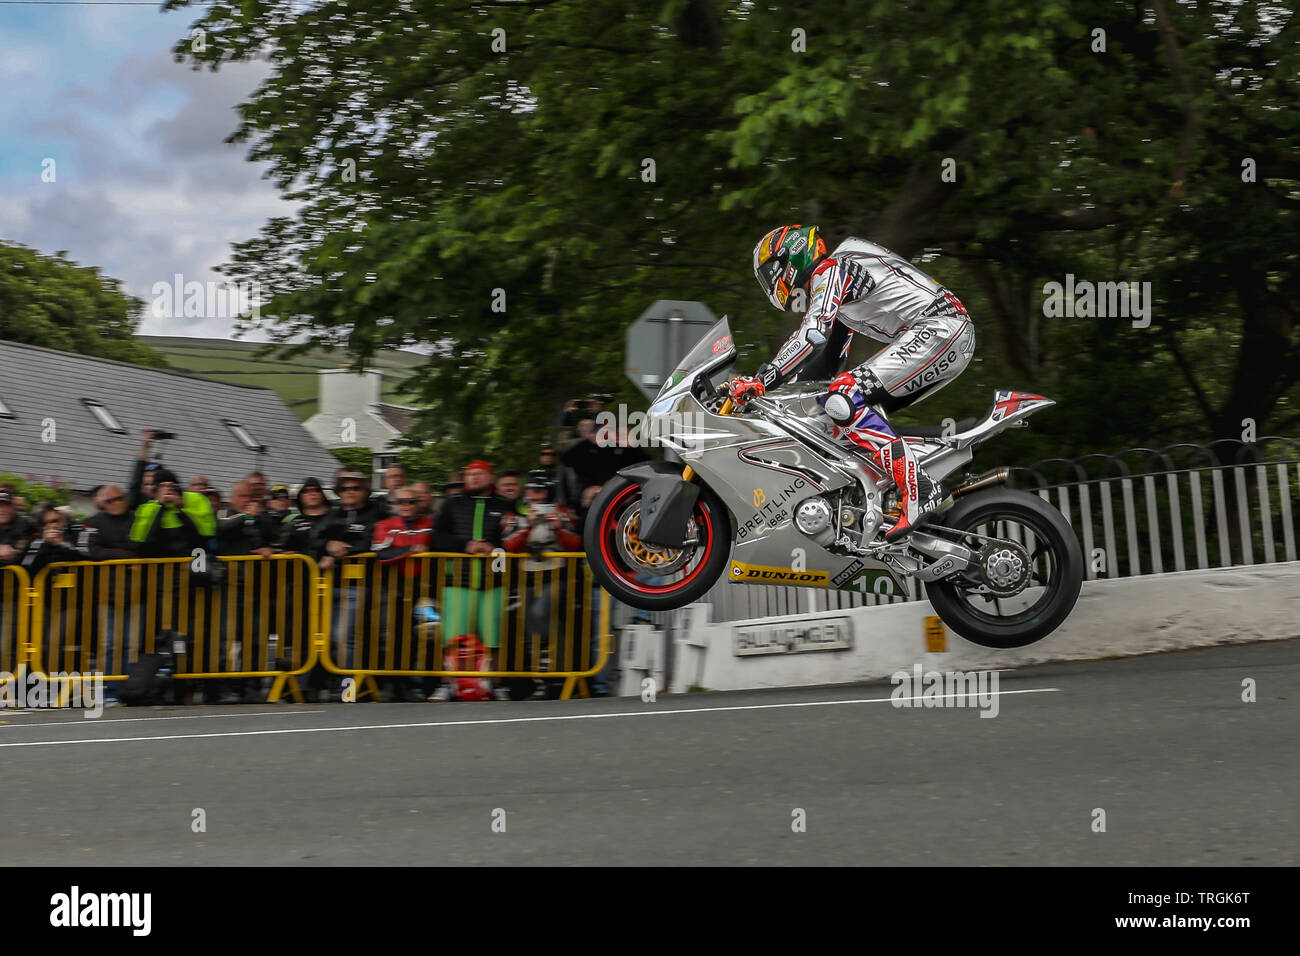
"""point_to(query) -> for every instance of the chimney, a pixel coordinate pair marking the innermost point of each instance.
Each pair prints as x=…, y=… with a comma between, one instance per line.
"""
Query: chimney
x=348, y=393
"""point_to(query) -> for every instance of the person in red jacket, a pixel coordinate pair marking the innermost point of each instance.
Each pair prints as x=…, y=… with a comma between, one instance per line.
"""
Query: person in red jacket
x=548, y=527
x=405, y=533
x=394, y=540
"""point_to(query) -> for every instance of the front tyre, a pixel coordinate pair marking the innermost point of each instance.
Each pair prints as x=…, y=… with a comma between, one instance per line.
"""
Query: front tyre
x=651, y=577
x=1025, y=588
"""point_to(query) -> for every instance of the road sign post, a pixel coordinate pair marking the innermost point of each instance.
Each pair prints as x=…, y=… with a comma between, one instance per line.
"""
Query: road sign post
x=659, y=339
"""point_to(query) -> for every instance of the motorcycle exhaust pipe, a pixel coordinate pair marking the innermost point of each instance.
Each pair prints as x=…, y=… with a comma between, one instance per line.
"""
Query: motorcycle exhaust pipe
x=997, y=476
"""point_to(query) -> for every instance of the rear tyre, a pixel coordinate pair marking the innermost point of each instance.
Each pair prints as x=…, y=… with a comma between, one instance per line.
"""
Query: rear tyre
x=646, y=576
x=1055, y=571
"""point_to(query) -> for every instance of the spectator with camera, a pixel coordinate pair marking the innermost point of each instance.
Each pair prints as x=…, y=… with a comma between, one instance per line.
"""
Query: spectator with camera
x=549, y=527
x=250, y=529
x=52, y=543
x=173, y=523
x=144, y=474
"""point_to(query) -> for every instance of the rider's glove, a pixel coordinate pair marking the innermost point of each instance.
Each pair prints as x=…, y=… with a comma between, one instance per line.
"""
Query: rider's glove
x=844, y=382
x=741, y=390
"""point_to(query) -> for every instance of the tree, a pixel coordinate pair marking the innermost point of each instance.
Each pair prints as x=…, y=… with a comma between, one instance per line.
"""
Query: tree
x=53, y=302
x=511, y=183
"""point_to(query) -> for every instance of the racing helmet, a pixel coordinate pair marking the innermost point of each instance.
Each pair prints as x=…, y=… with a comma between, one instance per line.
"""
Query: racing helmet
x=785, y=258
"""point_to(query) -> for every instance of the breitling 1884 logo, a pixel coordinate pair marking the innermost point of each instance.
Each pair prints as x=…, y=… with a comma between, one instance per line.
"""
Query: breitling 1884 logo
x=770, y=511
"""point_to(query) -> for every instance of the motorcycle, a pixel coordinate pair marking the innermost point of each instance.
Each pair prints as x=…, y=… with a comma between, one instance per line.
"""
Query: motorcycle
x=765, y=494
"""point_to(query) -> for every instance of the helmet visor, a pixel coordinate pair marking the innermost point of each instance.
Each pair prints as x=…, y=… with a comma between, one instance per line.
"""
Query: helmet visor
x=771, y=276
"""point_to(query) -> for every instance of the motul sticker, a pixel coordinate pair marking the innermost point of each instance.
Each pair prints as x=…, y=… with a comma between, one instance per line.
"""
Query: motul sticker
x=722, y=345
x=848, y=574
x=761, y=574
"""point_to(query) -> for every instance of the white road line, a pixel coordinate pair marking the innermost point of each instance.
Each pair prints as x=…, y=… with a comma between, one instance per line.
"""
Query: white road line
x=502, y=720
x=128, y=720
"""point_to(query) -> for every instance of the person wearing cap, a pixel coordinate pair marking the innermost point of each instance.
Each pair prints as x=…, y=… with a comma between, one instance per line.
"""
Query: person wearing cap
x=350, y=531
x=355, y=516
x=549, y=527
x=455, y=484
x=278, y=504
x=471, y=522
x=16, y=530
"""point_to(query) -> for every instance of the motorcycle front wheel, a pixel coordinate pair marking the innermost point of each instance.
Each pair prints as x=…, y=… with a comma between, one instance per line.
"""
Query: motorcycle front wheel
x=1043, y=559
x=652, y=577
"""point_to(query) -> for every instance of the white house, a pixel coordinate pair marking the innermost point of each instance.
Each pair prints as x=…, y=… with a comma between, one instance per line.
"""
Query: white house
x=351, y=415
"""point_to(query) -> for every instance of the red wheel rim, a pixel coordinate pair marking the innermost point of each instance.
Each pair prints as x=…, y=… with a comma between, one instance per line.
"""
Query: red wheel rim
x=608, y=529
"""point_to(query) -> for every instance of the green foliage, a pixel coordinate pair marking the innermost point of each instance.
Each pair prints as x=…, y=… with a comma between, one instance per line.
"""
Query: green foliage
x=53, y=302
x=34, y=494
x=359, y=460
x=522, y=171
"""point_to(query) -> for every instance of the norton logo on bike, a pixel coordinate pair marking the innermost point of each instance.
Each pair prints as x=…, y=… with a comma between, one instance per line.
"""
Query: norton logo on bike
x=758, y=573
x=770, y=512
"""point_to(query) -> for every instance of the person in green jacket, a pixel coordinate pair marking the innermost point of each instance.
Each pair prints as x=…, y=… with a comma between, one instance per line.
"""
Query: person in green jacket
x=175, y=522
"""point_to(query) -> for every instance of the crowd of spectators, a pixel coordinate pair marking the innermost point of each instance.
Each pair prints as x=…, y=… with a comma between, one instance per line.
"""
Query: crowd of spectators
x=477, y=512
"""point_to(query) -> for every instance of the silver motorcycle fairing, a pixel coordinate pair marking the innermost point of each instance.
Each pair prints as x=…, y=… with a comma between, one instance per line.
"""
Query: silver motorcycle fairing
x=762, y=473
x=764, y=462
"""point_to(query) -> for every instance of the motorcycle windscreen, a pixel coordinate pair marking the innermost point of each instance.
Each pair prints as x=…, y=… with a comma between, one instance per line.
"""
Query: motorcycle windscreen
x=712, y=351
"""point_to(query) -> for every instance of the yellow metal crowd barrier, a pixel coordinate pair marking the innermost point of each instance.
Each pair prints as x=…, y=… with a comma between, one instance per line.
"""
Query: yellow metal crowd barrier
x=15, y=605
x=537, y=616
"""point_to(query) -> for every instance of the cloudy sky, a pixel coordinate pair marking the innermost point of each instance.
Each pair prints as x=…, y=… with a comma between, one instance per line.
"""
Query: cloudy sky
x=145, y=187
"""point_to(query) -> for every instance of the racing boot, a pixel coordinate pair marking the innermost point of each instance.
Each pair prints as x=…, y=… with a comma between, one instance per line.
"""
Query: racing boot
x=918, y=494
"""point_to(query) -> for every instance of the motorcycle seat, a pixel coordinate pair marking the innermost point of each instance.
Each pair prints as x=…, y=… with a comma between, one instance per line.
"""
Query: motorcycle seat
x=933, y=431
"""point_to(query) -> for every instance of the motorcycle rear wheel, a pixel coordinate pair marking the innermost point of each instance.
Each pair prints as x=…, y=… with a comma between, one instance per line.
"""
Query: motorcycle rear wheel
x=1056, y=569
x=612, y=546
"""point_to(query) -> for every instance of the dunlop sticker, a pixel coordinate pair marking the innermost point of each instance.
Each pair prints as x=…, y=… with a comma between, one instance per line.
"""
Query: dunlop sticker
x=761, y=574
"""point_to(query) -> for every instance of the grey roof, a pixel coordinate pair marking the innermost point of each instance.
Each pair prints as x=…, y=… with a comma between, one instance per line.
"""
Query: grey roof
x=39, y=386
x=401, y=417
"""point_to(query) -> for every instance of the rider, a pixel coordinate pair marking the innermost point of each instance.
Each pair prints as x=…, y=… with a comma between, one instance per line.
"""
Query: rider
x=863, y=287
